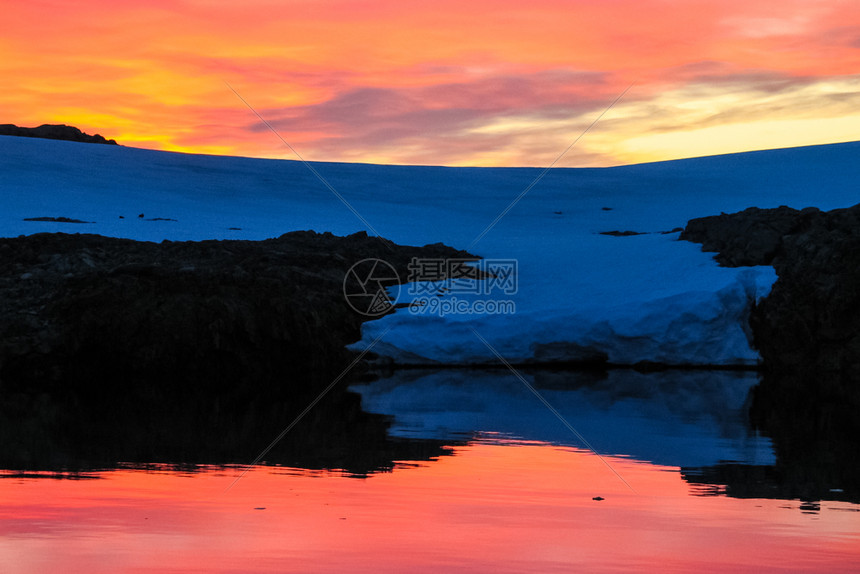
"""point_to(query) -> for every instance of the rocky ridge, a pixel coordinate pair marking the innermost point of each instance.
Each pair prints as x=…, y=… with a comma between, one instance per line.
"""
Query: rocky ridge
x=83, y=310
x=54, y=132
x=810, y=322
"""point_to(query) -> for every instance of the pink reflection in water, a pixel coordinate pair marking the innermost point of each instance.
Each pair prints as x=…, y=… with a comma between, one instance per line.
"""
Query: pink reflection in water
x=490, y=508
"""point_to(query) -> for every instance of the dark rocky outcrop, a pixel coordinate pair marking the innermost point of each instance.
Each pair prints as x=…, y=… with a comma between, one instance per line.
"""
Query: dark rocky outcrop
x=56, y=219
x=89, y=311
x=751, y=237
x=617, y=233
x=54, y=132
x=565, y=353
x=810, y=323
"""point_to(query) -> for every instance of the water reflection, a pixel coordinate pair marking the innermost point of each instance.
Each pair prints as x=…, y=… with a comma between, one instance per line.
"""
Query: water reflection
x=484, y=479
x=527, y=508
x=729, y=433
x=726, y=433
x=815, y=428
x=70, y=435
x=671, y=418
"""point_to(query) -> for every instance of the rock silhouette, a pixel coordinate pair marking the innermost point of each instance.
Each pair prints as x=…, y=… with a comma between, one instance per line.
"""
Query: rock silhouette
x=54, y=132
x=810, y=322
x=86, y=310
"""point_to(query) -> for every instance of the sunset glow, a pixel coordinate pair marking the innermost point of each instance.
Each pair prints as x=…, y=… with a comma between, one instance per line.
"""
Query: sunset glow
x=477, y=83
x=452, y=514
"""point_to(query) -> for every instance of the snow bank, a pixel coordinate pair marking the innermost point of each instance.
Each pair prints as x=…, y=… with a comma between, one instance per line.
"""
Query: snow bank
x=680, y=308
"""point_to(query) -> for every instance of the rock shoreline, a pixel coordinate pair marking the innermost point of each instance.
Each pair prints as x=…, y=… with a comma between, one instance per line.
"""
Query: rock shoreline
x=808, y=333
x=810, y=322
x=86, y=310
x=85, y=306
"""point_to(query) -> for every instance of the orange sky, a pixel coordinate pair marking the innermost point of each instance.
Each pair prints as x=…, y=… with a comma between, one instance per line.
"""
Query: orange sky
x=444, y=82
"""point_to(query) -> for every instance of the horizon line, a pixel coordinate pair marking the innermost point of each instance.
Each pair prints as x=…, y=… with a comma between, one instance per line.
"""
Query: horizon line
x=428, y=165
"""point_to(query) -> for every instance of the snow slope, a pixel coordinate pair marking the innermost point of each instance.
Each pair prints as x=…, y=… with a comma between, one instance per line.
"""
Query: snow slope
x=643, y=297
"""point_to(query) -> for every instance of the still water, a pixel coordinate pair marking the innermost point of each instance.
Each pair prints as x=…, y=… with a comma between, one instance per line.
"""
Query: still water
x=480, y=477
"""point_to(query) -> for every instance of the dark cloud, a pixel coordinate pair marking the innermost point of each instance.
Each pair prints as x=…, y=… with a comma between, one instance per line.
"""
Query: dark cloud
x=442, y=117
x=718, y=75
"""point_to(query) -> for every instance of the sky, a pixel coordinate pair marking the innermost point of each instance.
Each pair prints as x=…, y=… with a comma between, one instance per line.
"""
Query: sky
x=484, y=83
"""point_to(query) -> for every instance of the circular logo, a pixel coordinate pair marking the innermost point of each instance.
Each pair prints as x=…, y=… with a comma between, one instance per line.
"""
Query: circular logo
x=371, y=287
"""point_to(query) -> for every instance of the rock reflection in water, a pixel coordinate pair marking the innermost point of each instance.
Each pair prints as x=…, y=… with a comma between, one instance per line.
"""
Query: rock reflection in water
x=81, y=432
x=814, y=427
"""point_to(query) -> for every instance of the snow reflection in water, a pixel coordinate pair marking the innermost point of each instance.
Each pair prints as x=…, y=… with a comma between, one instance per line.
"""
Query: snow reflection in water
x=673, y=418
